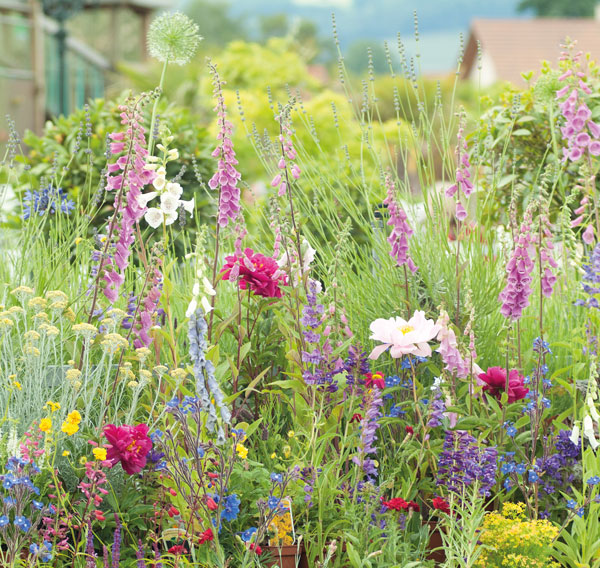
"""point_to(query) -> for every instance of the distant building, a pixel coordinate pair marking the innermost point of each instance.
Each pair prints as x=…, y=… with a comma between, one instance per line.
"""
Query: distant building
x=102, y=33
x=511, y=47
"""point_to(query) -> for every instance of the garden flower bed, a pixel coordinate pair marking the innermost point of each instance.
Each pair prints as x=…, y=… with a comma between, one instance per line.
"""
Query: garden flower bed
x=195, y=376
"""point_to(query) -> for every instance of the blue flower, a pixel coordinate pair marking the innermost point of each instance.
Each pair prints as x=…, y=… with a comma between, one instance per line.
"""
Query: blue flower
x=48, y=199
x=246, y=536
x=521, y=468
x=571, y=504
x=239, y=434
x=231, y=507
x=507, y=467
x=4, y=520
x=276, y=478
x=44, y=551
x=533, y=476
x=37, y=505
x=507, y=484
x=580, y=512
x=594, y=480
x=273, y=502
x=22, y=523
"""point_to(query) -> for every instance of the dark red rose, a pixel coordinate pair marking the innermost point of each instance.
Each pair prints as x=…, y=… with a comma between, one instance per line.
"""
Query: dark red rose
x=129, y=445
x=441, y=505
x=256, y=272
x=495, y=383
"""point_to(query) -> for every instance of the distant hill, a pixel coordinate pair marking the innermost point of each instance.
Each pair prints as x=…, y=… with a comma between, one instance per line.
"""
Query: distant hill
x=440, y=21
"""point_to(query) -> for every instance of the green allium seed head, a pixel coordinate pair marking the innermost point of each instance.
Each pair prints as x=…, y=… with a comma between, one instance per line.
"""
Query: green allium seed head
x=173, y=37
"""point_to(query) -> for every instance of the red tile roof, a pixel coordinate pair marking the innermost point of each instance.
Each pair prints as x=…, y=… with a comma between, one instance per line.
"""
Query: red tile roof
x=521, y=45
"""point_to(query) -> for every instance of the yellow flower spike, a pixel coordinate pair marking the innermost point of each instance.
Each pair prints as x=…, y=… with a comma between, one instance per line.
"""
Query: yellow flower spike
x=45, y=425
x=99, y=454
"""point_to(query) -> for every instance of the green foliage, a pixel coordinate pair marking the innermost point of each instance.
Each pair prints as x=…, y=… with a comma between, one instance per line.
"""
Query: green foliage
x=558, y=8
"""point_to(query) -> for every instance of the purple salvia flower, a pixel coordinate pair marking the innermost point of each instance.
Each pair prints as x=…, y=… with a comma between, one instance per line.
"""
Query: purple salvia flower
x=226, y=177
x=515, y=296
x=105, y=557
x=139, y=554
x=591, y=279
x=462, y=462
x=116, y=548
x=369, y=425
x=401, y=230
x=438, y=408
x=89, y=548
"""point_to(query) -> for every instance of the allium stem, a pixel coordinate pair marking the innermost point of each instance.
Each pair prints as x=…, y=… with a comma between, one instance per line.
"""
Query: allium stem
x=155, y=107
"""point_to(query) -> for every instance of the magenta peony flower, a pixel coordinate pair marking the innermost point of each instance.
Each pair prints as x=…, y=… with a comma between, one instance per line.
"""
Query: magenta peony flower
x=495, y=383
x=256, y=272
x=129, y=445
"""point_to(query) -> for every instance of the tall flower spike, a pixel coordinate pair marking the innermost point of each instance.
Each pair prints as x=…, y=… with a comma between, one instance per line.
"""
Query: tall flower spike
x=546, y=257
x=463, y=175
x=127, y=176
x=226, y=178
x=515, y=296
x=287, y=161
x=401, y=230
x=206, y=382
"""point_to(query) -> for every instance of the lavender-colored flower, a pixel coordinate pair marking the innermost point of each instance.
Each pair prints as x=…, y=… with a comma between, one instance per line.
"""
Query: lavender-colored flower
x=463, y=175
x=463, y=462
x=207, y=386
x=515, y=296
x=437, y=409
x=226, y=177
x=401, y=230
x=116, y=548
x=369, y=425
x=591, y=279
x=47, y=200
x=139, y=554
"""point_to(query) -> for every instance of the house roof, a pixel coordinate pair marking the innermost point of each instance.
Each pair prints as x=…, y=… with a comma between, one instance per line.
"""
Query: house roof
x=515, y=46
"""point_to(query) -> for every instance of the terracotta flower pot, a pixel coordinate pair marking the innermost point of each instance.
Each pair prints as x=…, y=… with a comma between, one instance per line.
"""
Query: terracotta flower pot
x=436, y=543
x=285, y=556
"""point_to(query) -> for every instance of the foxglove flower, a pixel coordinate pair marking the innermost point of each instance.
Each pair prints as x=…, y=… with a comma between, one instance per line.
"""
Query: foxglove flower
x=226, y=178
x=455, y=363
x=463, y=175
x=401, y=230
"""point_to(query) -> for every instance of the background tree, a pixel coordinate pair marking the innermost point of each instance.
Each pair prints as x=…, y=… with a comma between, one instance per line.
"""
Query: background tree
x=217, y=26
x=559, y=8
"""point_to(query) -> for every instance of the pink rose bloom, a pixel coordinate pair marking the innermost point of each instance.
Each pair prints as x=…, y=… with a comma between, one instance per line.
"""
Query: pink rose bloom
x=404, y=337
x=495, y=383
x=255, y=271
x=129, y=445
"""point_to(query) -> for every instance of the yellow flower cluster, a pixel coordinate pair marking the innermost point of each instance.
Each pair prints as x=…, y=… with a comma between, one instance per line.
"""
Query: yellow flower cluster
x=71, y=424
x=99, y=454
x=512, y=541
x=281, y=531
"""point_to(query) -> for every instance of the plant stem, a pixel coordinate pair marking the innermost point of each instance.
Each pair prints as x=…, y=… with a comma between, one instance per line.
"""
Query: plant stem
x=155, y=107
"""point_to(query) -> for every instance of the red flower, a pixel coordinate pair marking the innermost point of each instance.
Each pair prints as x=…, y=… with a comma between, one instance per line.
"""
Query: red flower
x=99, y=515
x=129, y=445
x=441, y=505
x=211, y=504
x=409, y=430
x=257, y=549
x=172, y=512
x=399, y=504
x=206, y=536
x=495, y=383
x=177, y=550
x=255, y=271
x=356, y=417
x=375, y=380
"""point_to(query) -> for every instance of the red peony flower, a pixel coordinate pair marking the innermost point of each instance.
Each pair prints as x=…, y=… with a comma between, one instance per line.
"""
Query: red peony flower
x=257, y=549
x=129, y=445
x=441, y=505
x=495, y=383
x=375, y=380
x=206, y=536
x=255, y=271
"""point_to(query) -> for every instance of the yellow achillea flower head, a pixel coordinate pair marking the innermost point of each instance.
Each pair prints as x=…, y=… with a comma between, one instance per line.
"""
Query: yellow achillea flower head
x=99, y=453
x=45, y=424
